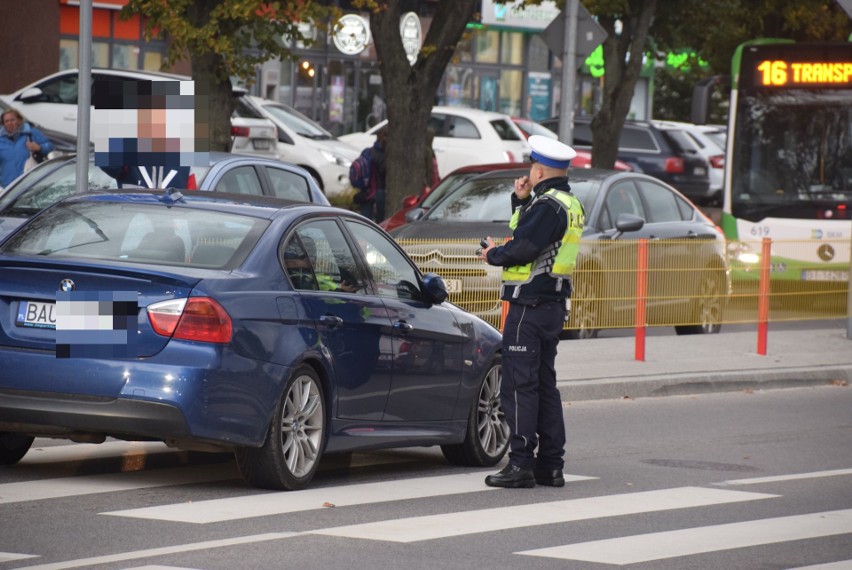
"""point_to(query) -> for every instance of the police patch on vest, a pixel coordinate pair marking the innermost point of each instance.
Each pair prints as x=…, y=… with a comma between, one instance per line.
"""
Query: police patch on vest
x=517, y=348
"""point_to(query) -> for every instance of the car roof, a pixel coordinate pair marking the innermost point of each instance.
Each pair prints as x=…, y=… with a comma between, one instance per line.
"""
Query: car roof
x=573, y=173
x=248, y=204
x=475, y=168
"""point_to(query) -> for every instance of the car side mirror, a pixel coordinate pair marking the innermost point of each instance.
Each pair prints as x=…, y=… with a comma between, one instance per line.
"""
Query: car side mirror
x=434, y=288
x=32, y=95
x=409, y=201
x=627, y=223
x=414, y=214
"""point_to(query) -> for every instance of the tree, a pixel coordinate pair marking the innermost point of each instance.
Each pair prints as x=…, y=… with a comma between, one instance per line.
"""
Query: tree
x=223, y=39
x=410, y=90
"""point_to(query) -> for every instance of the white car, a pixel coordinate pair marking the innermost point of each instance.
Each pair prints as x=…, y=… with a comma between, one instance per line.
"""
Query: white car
x=464, y=137
x=710, y=142
x=52, y=102
x=305, y=143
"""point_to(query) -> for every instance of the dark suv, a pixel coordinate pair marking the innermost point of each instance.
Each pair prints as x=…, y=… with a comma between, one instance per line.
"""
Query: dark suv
x=666, y=153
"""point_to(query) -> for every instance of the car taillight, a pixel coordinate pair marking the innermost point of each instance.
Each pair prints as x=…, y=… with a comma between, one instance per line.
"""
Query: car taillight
x=717, y=161
x=191, y=183
x=196, y=318
x=674, y=165
x=239, y=131
x=509, y=156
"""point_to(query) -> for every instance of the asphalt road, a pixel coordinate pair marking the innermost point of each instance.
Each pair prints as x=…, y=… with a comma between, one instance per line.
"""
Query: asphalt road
x=736, y=480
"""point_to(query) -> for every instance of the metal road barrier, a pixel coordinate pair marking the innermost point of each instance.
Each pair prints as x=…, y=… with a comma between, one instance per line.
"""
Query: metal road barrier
x=693, y=285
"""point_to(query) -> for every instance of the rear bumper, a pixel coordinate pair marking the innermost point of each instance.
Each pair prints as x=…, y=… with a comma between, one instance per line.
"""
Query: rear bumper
x=188, y=392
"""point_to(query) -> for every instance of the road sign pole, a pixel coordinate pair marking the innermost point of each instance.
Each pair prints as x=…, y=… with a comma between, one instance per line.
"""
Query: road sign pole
x=84, y=95
x=569, y=72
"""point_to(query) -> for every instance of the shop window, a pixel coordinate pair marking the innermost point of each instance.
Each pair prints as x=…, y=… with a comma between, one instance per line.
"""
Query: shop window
x=512, y=48
x=539, y=54
x=464, y=49
x=486, y=43
x=152, y=61
x=511, y=87
x=68, y=50
x=123, y=57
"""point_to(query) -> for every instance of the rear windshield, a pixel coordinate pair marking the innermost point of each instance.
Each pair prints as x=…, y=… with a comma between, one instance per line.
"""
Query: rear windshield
x=139, y=233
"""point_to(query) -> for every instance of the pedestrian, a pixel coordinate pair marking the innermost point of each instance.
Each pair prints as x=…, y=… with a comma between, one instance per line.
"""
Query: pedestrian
x=370, y=179
x=430, y=171
x=18, y=140
x=538, y=260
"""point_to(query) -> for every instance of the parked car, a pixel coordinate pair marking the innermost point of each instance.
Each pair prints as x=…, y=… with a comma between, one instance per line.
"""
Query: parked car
x=52, y=102
x=279, y=333
x=303, y=142
x=55, y=179
x=463, y=137
x=710, y=142
x=583, y=158
x=619, y=206
x=666, y=153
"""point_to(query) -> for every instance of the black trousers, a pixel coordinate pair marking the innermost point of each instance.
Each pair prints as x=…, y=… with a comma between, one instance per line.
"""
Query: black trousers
x=528, y=393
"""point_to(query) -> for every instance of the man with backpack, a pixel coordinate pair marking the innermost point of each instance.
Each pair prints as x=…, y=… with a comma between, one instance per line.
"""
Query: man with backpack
x=367, y=176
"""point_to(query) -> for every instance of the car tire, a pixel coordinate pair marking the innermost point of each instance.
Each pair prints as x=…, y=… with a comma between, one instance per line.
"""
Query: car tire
x=708, y=305
x=291, y=453
x=586, y=307
x=487, y=436
x=13, y=447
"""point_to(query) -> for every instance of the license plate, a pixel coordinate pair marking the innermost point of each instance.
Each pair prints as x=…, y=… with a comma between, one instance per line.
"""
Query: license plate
x=700, y=171
x=453, y=285
x=824, y=275
x=35, y=314
x=261, y=144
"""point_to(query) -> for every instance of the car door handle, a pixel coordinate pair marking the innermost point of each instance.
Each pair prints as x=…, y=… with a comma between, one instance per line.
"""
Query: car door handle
x=403, y=326
x=331, y=321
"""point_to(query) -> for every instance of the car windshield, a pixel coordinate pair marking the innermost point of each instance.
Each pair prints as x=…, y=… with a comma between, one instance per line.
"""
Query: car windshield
x=444, y=187
x=489, y=200
x=298, y=122
x=138, y=233
x=36, y=190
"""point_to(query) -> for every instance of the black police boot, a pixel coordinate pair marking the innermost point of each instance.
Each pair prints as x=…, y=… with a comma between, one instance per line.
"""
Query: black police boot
x=549, y=477
x=512, y=477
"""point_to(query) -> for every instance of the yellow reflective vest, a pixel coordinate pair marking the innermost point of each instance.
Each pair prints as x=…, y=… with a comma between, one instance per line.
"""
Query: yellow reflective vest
x=559, y=258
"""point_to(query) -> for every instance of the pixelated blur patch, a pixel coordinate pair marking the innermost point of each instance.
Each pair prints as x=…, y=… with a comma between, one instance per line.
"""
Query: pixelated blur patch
x=96, y=324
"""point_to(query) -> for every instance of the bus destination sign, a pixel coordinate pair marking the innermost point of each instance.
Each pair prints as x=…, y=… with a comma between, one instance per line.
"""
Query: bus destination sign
x=782, y=73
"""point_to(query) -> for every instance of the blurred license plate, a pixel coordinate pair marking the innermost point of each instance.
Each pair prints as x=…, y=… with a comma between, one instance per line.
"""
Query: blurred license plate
x=36, y=315
x=824, y=275
x=453, y=285
x=700, y=171
x=261, y=144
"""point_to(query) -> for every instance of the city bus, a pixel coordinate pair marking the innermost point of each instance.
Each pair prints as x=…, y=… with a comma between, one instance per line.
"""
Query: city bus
x=788, y=162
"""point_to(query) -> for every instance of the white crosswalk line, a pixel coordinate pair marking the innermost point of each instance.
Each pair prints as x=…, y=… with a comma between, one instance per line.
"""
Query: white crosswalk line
x=92, y=484
x=793, y=477
x=839, y=565
x=685, y=542
x=489, y=520
x=218, y=510
x=89, y=451
x=9, y=556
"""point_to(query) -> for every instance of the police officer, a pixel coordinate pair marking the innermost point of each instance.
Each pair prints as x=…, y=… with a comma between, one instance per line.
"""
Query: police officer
x=546, y=223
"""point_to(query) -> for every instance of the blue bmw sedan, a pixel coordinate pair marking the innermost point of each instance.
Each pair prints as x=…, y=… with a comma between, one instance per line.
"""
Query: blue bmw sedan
x=278, y=330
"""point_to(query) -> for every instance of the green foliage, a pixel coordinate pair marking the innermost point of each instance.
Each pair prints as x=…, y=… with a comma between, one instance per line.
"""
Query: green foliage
x=241, y=33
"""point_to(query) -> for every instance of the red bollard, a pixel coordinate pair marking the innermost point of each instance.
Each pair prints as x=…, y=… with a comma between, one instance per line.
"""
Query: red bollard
x=763, y=297
x=641, y=294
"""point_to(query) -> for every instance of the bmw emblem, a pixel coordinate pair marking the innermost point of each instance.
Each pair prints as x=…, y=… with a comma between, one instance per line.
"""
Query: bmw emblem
x=67, y=285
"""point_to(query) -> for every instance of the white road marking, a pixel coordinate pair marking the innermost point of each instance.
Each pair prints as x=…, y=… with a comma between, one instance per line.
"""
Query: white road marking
x=88, y=451
x=839, y=565
x=266, y=504
x=793, y=477
x=489, y=520
x=685, y=542
x=9, y=556
x=109, y=482
x=135, y=555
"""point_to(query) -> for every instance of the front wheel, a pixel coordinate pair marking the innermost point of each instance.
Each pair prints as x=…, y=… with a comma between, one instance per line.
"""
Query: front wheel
x=708, y=306
x=487, y=437
x=291, y=454
x=13, y=447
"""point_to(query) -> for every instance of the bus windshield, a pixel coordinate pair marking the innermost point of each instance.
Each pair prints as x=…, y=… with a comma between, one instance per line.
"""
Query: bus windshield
x=792, y=155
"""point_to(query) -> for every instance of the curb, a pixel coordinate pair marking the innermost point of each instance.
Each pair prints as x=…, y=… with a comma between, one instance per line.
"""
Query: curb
x=703, y=383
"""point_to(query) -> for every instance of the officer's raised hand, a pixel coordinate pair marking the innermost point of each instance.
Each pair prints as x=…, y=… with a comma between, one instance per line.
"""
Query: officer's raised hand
x=523, y=187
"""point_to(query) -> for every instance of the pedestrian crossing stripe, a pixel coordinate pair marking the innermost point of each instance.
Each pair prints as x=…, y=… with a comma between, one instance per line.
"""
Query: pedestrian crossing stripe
x=685, y=542
x=267, y=504
x=9, y=556
x=791, y=477
x=503, y=518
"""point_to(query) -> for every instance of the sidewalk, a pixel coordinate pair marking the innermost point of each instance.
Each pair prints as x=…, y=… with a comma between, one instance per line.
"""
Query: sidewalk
x=605, y=367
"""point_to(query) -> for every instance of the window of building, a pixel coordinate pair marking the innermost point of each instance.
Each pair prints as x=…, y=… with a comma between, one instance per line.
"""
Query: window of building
x=512, y=48
x=486, y=45
x=511, y=87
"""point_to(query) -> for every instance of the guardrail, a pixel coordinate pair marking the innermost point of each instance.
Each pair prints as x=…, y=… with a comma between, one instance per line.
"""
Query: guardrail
x=693, y=285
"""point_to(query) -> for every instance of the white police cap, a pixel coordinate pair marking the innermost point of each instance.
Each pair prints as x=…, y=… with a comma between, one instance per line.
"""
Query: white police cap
x=551, y=152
